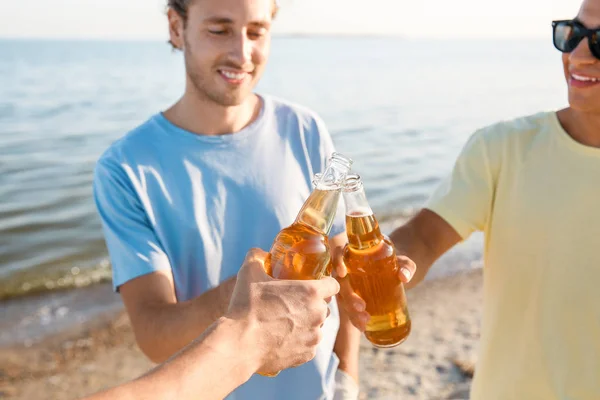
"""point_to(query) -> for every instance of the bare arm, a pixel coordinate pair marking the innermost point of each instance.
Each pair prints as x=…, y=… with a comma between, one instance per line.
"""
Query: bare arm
x=347, y=343
x=424, y=239
x=270, y=325
x=213, y=366
x=163, y=326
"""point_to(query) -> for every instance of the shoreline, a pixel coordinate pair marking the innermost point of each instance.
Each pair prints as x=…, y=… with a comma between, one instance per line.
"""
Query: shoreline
x=32, y=319
x=101, y=352
x=28, y=319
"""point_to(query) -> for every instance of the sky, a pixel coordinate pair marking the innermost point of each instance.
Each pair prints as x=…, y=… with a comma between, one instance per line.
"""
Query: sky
x=144, y=19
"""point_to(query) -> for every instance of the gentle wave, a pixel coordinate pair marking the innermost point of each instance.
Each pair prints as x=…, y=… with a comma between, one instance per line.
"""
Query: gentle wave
x=401, y=109
x=37, y=275
x=27, y=283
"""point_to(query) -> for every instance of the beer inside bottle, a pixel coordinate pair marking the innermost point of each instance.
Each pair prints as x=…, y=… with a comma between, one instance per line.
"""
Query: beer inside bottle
x=370, y=258
x=301, y=251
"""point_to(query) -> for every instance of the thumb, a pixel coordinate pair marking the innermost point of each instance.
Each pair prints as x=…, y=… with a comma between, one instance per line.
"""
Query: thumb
x=254, y=266
x=256, y=255
x=339, y=269
x=327, y=287
x=406, y=268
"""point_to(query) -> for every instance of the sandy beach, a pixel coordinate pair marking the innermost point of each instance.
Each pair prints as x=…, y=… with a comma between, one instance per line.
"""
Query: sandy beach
x=103, y=353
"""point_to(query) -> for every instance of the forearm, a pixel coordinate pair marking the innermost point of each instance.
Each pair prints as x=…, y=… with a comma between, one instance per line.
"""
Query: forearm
x=211, y=367
x=424, y=239
x=162, y=329
x=347, y=345
x=409, y=243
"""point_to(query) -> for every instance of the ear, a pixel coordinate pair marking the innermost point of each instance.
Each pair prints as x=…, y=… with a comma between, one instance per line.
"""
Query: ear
x=176, y=25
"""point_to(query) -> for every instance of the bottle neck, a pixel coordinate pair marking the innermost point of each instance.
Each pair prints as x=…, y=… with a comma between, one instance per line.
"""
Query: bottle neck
x=361, y=225
x=334, y=176
x=356, y=201
x=319, y=210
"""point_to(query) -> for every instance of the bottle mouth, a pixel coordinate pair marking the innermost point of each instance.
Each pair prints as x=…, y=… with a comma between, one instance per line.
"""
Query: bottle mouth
x=352, y=183
x=342, y=159
x=335, y=179
x=317, y=178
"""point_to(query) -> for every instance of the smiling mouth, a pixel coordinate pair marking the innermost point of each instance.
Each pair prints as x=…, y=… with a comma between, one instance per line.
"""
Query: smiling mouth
x=583, y=81
x=583, y=78
x=235, y=77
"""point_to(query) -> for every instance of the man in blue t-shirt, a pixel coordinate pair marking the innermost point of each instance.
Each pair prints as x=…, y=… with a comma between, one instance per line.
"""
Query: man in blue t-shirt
x=184, y=196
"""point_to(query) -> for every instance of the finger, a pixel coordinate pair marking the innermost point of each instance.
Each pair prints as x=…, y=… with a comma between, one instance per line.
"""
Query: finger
x=360, y=320
x=254, y=266
x=256, y=255
x=352, y=301
x=314, y=338
x=354, y=305
x=340, y=271
x=326, y=287
x=358, y=304
x=338, y=262
x=319, y=314
x=407, y=268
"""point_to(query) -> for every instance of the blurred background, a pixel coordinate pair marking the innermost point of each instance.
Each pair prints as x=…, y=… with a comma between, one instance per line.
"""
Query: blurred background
x=400, y=84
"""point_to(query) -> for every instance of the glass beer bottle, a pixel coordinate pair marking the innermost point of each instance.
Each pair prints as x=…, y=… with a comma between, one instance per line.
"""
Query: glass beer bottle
x=370, y=259
x=301, y=251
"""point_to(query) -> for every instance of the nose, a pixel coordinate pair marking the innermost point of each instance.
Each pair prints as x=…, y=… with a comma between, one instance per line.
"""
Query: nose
x=582, y=55
x=241, y=49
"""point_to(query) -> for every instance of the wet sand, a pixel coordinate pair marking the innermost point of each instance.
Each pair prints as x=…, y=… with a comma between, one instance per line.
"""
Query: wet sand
x=99, y=353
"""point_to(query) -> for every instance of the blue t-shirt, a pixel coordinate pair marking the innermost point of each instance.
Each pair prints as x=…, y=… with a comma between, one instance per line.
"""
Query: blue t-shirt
x=194, y=204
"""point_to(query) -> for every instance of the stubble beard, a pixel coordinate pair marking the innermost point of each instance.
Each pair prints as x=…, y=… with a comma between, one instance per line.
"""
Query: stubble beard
x=205, y=87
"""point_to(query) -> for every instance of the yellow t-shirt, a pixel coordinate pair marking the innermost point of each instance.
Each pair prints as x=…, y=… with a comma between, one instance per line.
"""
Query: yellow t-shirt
x=535, y=193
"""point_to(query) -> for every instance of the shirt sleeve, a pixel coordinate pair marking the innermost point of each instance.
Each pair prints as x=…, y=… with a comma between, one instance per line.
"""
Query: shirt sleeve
x=132, y=243
x=327, y=148
x=465, y=198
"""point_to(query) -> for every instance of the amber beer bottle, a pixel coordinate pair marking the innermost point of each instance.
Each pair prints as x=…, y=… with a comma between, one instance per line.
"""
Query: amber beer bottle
x=301, y=251
x=370, y=259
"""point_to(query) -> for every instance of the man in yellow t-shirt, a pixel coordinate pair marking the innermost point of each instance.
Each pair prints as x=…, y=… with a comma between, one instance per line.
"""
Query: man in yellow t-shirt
x=532, y=185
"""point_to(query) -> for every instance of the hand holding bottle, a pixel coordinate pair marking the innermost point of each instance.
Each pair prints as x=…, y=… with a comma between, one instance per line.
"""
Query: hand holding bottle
x=374, y=272
x=354, y=305
x=282, y=318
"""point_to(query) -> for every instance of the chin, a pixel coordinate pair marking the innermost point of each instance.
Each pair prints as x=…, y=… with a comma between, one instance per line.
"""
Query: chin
x=229, y=99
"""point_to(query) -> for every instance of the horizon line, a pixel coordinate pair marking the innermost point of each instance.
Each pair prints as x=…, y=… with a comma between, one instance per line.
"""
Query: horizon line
x=275, y=36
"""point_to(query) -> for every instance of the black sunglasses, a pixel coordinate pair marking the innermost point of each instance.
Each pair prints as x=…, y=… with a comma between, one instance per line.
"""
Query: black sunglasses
x=567, y=35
